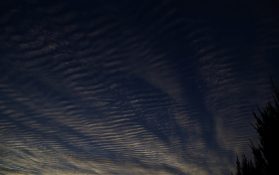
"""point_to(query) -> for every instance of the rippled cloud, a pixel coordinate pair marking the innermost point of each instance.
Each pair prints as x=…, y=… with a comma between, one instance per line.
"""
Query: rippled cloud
x=100, y=88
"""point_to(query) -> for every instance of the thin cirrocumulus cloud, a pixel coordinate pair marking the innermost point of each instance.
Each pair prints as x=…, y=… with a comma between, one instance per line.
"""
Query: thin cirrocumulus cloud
x=233, y=92
x=59, y=126
x=100, y=88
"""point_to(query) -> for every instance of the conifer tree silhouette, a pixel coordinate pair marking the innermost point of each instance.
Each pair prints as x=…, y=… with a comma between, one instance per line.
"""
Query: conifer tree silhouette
x=266, y=152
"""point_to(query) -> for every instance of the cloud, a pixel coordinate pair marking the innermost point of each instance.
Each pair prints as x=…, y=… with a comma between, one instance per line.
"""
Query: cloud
x=112, y=90
x=232, y=92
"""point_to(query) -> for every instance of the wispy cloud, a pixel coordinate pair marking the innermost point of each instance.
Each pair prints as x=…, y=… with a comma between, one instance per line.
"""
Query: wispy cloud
x=112, y=90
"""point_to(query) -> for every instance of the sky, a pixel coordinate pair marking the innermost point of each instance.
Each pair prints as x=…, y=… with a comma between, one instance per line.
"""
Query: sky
x=132, y=87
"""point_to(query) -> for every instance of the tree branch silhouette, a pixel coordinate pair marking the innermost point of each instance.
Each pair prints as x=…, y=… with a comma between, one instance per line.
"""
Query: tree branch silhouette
x=266, y=152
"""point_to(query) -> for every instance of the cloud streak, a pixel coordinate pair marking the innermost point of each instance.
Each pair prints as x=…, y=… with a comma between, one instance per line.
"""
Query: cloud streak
x=114, y=90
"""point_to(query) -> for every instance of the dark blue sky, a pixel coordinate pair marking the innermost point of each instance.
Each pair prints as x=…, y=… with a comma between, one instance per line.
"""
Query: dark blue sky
x=132, y=87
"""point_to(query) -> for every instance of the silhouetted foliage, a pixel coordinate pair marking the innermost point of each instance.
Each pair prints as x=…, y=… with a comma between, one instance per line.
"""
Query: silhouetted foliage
x=266, y=153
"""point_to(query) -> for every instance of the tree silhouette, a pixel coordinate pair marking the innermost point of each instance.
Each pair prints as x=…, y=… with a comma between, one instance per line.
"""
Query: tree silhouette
x=266, y=152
